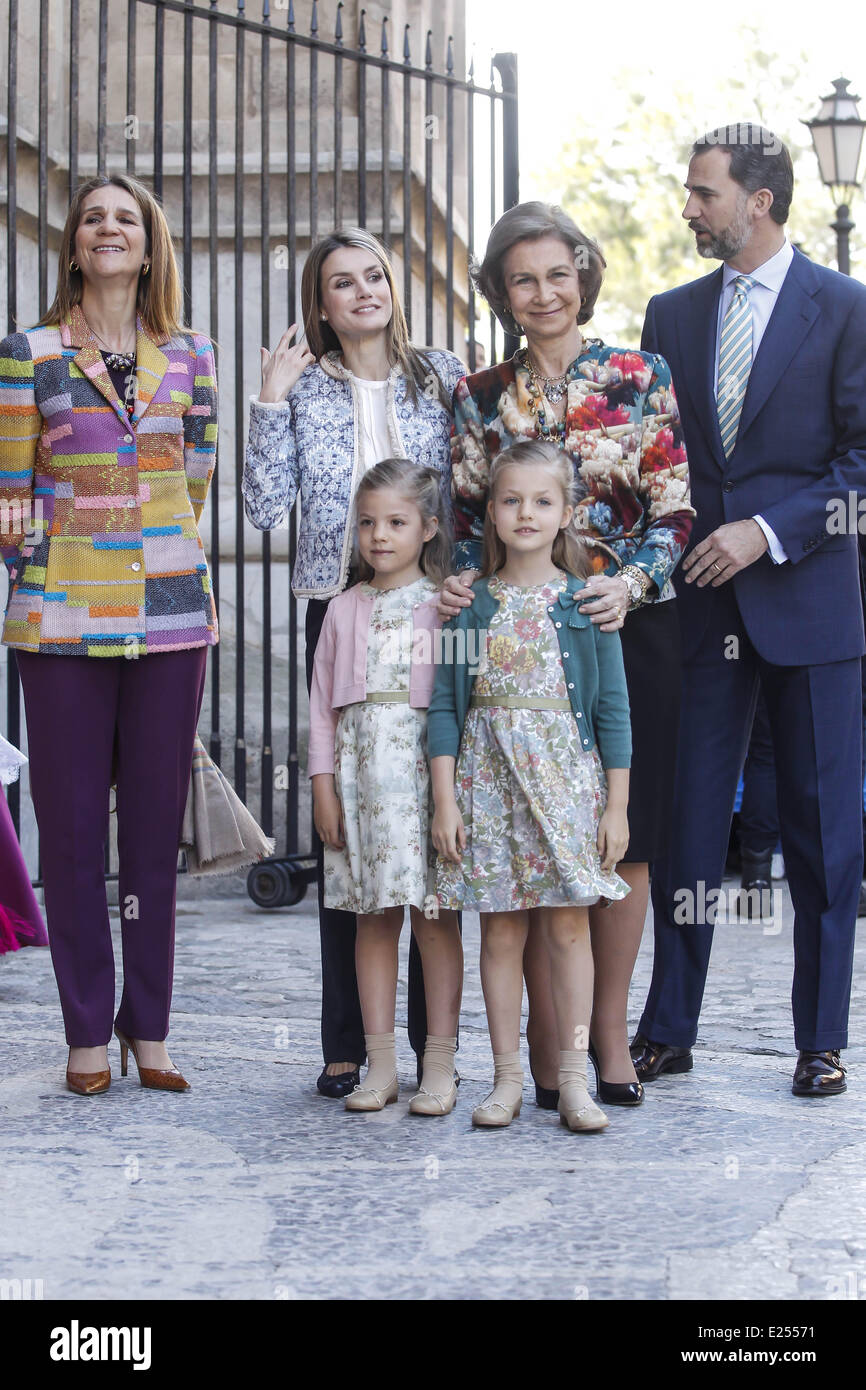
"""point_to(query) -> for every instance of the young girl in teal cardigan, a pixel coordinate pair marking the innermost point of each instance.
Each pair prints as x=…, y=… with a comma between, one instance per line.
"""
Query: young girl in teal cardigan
x=529, y=740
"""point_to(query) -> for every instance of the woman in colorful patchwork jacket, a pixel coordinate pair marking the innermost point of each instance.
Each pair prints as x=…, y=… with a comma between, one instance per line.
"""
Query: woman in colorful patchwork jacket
x=108, y=424
x=354, y=393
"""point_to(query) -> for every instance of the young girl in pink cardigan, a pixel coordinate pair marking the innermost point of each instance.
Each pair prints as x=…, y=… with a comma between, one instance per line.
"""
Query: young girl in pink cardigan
x=372, y=681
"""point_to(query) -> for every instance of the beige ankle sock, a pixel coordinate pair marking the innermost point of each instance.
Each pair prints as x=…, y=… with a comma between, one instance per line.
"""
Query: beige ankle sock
x=576, y=1105
x=573, y=1088
x=438, y=1074
x=507, y=1079
x=572, y=1073
x=381, y=1061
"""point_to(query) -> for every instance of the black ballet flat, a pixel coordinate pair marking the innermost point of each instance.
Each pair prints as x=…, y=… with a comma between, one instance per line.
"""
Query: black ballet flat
x=546, y=1099
x=336, y=1087
x=615, y=1092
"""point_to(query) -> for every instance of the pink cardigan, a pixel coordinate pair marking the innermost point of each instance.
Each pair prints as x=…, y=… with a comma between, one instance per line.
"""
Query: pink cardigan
x=340, y=667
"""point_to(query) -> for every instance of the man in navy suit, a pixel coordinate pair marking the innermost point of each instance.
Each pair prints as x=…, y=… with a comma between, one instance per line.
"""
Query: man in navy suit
x=768, y=357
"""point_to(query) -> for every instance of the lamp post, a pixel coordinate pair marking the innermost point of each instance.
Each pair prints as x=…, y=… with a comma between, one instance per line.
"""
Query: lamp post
x=837, y=134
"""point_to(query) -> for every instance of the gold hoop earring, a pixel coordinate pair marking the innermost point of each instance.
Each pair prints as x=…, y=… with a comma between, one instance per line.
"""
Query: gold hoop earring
x=73, y=266
x=145, y=269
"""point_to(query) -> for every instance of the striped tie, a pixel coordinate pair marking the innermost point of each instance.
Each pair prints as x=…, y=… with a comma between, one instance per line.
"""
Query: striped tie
x=735, y=361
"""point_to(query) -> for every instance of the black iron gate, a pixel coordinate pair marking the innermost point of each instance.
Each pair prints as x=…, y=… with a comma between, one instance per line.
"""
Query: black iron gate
x=260, y=126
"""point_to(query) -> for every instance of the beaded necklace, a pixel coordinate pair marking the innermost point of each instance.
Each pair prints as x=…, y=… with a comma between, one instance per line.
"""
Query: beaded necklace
x=551, y=388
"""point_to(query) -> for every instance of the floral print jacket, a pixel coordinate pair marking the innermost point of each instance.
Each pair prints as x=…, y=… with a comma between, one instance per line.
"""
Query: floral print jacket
x=623, y=434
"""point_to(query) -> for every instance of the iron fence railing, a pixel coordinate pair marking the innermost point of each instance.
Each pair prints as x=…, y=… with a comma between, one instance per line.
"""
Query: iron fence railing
x=258, y=138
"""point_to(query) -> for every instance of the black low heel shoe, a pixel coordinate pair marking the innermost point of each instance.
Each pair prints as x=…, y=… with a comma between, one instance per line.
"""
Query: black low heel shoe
x=545, y=1099
x=615, y=1092
x=336, y=1087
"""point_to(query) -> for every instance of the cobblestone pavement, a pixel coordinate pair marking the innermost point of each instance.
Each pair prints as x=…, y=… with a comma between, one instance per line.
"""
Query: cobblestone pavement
x=722, y=1185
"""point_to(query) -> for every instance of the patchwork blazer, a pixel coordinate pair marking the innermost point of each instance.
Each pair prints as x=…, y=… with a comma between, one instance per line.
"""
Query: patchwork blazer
x=99, y=512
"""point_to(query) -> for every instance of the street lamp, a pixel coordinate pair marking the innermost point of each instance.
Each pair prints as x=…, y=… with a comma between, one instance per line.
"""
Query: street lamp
x=837, y=134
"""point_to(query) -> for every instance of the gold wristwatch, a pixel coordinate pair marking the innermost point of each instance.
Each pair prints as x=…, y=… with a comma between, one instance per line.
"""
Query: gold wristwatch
x=637, y=582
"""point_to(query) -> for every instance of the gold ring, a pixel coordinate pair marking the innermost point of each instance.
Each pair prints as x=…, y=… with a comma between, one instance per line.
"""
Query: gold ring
x=715, y=565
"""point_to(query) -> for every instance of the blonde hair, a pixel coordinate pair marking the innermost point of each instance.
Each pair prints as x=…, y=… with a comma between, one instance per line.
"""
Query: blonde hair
x=159, y=301
x=423, y=488
x=569, y=551
x=413, y=362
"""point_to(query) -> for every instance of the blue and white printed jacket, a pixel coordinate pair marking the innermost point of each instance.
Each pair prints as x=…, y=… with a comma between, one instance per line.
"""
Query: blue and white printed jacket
x=314, y=444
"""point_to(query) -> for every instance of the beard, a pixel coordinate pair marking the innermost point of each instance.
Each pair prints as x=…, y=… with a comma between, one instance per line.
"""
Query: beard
x=729, y=242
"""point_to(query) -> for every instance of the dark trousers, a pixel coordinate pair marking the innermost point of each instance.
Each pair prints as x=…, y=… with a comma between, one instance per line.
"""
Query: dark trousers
x=81, y=712
x=342, y=1024
x=759, y=818
x=815, y=718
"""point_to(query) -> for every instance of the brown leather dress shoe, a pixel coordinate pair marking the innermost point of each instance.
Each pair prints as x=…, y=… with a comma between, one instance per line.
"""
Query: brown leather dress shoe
x=88, y=1083
x=651, y=1059
x=819, y=1074
x=152, y=1078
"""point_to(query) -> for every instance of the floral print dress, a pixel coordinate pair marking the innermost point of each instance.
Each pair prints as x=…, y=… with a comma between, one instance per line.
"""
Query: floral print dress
x=530, y=795
x=381, y=775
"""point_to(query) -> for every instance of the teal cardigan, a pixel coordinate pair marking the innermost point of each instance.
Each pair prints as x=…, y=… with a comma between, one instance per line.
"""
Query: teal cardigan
x=591, y=660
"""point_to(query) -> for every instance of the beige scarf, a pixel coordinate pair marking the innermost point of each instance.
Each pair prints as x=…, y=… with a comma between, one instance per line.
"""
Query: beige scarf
x=219, y=835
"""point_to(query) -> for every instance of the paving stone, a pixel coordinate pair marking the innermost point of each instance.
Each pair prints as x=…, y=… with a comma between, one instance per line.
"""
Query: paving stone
x=722, y=1185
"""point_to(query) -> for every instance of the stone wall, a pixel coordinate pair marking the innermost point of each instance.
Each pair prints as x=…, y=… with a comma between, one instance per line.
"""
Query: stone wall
x=238, y=360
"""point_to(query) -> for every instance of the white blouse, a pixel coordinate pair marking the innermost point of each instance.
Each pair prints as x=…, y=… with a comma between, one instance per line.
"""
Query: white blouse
x=374, y=420
x=373, y=396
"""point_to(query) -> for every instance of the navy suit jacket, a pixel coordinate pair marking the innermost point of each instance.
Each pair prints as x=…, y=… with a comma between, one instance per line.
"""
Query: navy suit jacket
x=801, y=445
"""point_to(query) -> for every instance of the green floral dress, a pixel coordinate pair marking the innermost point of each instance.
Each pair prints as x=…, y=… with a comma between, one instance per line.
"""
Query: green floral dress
x=530, y=795
x=382, y=776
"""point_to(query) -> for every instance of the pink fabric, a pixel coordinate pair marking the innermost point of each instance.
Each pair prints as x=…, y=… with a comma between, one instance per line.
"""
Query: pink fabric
x=15, y=932
x=340, y=667
x=21, y=921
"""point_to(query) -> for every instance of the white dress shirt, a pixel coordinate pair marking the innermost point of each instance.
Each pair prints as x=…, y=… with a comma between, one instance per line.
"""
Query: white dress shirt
x=768, y=280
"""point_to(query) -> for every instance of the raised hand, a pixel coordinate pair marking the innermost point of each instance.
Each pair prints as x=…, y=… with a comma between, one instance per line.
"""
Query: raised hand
x=282, y=368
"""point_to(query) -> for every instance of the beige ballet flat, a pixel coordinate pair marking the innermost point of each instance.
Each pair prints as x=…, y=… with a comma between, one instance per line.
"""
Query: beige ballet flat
x=583, y=1119
x=433, y=1102
x=494, y=1115
x=366, y=1098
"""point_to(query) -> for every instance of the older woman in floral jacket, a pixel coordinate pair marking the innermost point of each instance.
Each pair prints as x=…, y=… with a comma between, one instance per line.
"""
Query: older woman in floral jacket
x=614, y=412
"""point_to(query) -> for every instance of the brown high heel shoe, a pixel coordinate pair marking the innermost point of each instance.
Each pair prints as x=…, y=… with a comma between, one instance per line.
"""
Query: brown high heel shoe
x=151, y=1077
x=88, y=1083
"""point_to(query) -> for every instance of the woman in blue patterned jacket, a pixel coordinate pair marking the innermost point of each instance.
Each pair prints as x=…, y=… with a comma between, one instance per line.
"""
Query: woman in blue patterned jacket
x=354, y=393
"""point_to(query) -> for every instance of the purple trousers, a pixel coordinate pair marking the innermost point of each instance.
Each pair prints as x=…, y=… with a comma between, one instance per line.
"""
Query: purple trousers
x=83, y=713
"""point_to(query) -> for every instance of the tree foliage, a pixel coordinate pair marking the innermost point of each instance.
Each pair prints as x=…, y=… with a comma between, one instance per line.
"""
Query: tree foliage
x=620, y=175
